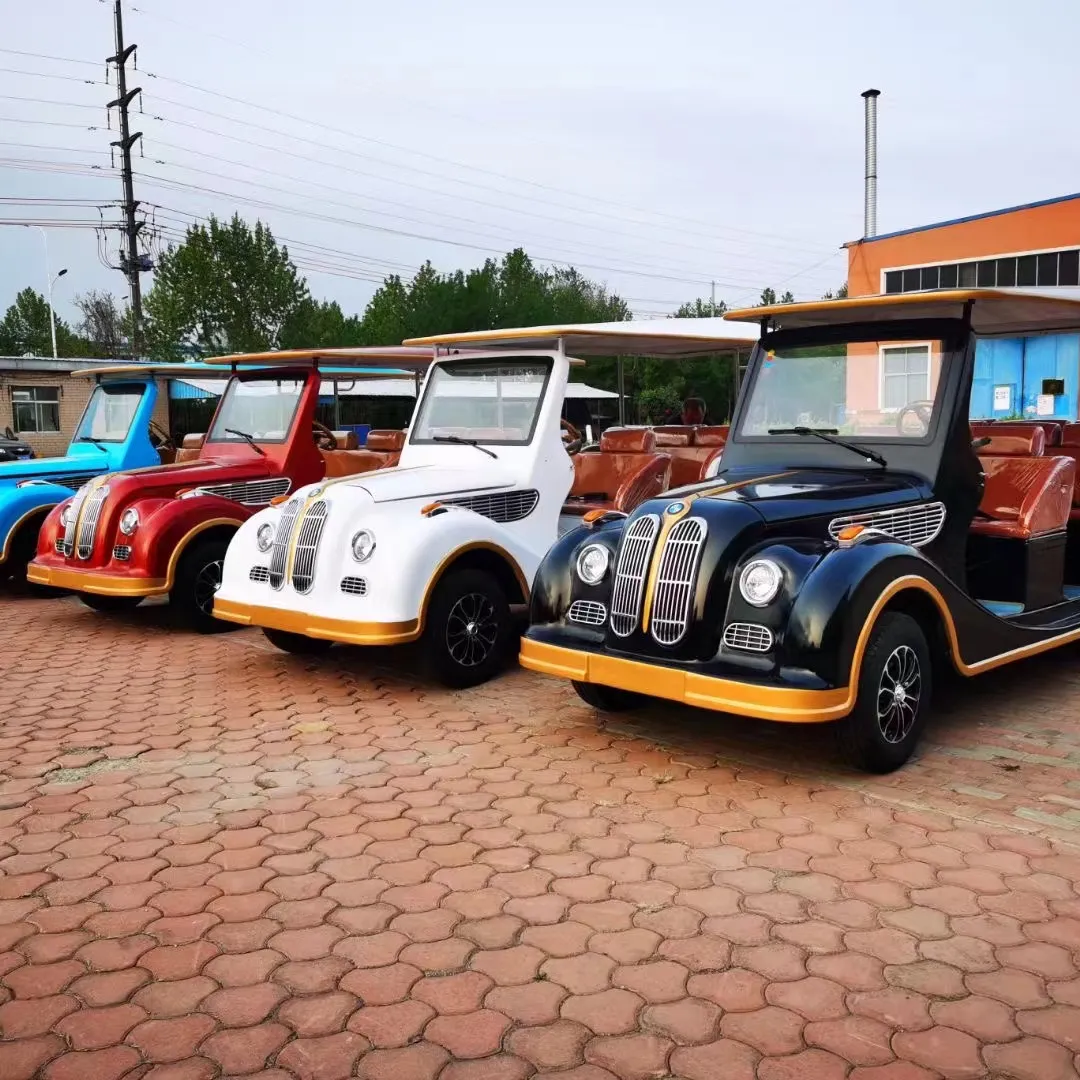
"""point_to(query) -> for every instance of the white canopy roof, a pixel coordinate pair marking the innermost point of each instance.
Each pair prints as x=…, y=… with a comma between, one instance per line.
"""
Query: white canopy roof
x=634, y=337
x=993, y=311
x=380, y=388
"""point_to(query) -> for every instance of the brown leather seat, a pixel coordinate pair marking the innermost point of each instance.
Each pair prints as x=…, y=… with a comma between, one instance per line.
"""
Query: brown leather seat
x=625, y=471
x=1052, y=428
x=382, y=450
x=190, y=447
x=1070, y=447
x=1027, y=494
x=346, y=440
x=692, y=450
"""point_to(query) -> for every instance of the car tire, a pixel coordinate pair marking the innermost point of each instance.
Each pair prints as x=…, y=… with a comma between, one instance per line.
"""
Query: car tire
x=893, y=699
x=468, y=631
x=197, y=579
x=297, y=644
x=607, y=698
x=110, y=604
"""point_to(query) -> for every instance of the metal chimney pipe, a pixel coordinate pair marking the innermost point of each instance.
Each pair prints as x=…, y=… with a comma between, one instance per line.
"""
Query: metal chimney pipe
x=870, y=198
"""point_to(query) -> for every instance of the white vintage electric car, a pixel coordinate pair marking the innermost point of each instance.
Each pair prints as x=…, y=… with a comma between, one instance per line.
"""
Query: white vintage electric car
x=442, y=545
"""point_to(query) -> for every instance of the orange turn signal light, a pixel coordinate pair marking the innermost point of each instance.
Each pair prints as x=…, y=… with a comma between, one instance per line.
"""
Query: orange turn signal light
x=850, y=532
x=430, y=508
x=593, y=515
x=184, y=491
x=277, y=500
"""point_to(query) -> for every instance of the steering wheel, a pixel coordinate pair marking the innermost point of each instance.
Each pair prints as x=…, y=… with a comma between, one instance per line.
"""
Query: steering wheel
x=164, y=438
x=324, y=437
x=572, y=438
x=921, y=410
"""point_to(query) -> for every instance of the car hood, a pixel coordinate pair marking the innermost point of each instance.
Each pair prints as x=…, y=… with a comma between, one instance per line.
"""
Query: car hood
x=12, y=472
x=801, y=493
x=430, y=482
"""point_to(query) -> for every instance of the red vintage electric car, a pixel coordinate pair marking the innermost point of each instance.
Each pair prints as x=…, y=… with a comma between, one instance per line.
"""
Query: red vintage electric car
x=163, y=530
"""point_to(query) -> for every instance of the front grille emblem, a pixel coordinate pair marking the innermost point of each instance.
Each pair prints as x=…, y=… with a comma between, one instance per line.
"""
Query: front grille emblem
x=676, y=508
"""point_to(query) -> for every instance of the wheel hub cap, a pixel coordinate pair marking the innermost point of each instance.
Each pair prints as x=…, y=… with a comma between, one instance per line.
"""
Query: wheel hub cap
x=899, y=694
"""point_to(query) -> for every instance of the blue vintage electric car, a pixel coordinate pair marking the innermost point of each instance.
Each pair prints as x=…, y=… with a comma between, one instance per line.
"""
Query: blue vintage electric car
x=116, y=431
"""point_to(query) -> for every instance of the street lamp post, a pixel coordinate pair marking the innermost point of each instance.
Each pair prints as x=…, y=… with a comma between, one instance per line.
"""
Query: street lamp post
x=52, y=281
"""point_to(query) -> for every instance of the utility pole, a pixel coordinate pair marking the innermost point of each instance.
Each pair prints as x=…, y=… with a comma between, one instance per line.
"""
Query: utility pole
x=130, y=260
x=713, y=301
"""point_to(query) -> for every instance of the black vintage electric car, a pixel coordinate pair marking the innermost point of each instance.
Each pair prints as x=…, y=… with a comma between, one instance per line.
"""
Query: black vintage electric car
x=860, y=536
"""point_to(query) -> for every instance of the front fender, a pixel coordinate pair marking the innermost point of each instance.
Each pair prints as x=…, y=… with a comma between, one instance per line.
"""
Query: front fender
x=27, y=506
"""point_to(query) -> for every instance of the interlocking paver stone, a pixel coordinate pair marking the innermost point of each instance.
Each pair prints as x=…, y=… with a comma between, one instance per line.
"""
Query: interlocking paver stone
x=371, y=877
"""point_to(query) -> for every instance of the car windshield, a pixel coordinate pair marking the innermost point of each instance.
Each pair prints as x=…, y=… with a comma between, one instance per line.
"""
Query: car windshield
x=486, y=401
x=862, y=390
x=263, y=409
x=109, y=413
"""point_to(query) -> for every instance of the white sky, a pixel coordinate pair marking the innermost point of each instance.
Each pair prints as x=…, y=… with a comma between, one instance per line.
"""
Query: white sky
x=667, y=144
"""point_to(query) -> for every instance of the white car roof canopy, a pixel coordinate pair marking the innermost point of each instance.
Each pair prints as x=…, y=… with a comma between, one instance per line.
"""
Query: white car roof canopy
x=634, y=337
x=994, y=312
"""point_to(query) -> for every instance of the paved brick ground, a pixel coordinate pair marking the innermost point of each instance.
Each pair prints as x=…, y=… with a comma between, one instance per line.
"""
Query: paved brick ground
x=218, y=861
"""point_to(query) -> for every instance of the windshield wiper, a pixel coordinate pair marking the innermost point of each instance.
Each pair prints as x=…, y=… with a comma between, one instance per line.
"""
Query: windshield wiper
x=249, y=439
x=87, y=438
x=465, y=442
x=829, y=435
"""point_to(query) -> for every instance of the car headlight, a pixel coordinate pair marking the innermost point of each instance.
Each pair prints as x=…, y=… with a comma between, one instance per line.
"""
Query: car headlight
x=65, y=515
x=264, y=538
x=129, y=521
x=363, y=545
x=592, y=563
x=760, y=581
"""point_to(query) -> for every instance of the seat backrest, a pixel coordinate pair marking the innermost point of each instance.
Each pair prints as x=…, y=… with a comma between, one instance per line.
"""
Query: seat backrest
x=346, y=440
x=1017, y=440
x=190, y=447
x=1052, y=428
x=713, y=436
x=1070, y=435
x=669, y=435
x=623, y=440
x=385, y=441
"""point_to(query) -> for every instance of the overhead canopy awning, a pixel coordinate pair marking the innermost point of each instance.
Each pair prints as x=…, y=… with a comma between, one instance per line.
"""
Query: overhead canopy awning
x=634, y=337
x=994, y=312
x=400, y=356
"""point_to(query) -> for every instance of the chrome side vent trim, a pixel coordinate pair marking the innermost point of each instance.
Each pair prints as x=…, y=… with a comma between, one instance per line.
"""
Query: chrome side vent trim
x=66, y=546
x=259, y=574
x=503, y=506
x=675, y=578
x=307, y=546
x=84, y=542
x=250, y=492
x=630, y=570
x=749, y=637
x=280, y=551
x=914, y=525
x=354, y=586
x=587, y=612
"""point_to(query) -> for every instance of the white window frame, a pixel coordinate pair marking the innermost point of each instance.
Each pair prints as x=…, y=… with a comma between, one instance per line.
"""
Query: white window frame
x=883, y=349
x=36, y=404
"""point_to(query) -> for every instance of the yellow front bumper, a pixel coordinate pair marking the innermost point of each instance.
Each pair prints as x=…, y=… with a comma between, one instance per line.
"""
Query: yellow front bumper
x=317, y=626
x=90, y=581
x=788, y=705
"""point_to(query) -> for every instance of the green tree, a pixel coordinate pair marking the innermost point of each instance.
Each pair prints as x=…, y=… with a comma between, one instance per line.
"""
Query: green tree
x=700, y=309
x=227, y=287
x=837, y=294
x=105, y=325
x=25, y=331
x=318, y=324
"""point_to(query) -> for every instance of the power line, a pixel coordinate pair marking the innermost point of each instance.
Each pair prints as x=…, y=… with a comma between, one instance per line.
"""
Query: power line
x=46, y=56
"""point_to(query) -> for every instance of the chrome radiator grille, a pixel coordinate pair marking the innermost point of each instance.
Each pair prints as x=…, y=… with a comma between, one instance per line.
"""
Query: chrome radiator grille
x=84, y=541
x=587, y=612
x=748, y=636
x=504, y=506
x=675, y=576
x=915, y=525
x=280, y=551
x=66, y=546
x=250, y=492
x=307, y=546
x=630, y=571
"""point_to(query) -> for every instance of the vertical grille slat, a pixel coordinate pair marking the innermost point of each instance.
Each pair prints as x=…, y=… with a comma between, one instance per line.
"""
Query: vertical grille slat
x=280, y=551
x=675, y=578
x=307, y=546
x=631, y=568
x=67, y=544
x=84, y=541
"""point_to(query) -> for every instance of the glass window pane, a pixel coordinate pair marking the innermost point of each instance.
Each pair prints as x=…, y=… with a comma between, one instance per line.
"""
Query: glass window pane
x=1025, y=270
x=986, y=273
x=930, y=277
x=1069, y=268
x=948, y=276
x=912, y=280
x=893, y=281
x=894, y=362
x=1006, y=272
x=967, y=275
x=1047, y=272
x=894, y=396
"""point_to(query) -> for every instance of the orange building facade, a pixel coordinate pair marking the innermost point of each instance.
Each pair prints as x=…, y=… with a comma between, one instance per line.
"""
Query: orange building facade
x=1032, y=246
